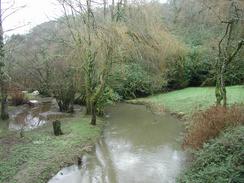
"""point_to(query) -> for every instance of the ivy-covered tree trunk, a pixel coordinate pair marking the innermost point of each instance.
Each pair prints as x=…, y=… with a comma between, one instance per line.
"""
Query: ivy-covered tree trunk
x=90, y=69
x=218, y=93
x=93, y=113
x=223, y=89
x=88, y=106
x=3, y=77
x=220, y=89
x=228, y=48
x=4, y=103
x=95, y=74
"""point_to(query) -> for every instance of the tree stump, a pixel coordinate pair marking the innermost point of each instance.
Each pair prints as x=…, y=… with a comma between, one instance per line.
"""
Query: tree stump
x=57, y=128
x=79, y=162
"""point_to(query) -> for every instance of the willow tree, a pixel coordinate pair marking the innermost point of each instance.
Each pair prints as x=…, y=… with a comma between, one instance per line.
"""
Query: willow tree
x=94, y=47
x=228, y=48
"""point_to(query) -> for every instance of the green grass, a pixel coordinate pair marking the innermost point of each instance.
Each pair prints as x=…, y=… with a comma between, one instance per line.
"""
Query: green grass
x=191, y=99
x=39, y=155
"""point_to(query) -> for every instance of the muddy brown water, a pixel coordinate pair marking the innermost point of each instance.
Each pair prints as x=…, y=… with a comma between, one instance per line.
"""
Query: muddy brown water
x=137, y=147
x=28, y=117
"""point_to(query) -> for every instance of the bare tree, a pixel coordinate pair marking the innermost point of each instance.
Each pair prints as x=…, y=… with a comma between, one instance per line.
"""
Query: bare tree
x=228, y=48
x=4, y=79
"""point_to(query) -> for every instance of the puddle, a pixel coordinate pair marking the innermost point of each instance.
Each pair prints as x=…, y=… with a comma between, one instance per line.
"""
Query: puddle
x=27, y=117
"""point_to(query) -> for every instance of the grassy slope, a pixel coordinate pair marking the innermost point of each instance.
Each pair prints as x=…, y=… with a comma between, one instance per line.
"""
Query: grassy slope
x=191, y=99
x=39, y=155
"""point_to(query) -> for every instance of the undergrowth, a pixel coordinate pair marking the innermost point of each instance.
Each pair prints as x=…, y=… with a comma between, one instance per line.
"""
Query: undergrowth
x=219, y=161
x=208, y=124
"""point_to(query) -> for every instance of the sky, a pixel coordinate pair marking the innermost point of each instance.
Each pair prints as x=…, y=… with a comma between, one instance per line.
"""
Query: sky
x=35, y=12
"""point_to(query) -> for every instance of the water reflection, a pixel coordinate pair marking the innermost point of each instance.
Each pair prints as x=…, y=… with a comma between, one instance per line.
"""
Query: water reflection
x=69, y=174
x=138, y=147
x=28, y=117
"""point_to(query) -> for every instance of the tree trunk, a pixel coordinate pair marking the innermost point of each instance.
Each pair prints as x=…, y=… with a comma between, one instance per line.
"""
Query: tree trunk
x=4, y=108
x=224, y=98
x=88, y=107
x=126, y=8
x=112, y=10
x=4, y=96
x=220, y=90
x=223, y=89
x=94, y=117
x=104, y=8
x=218, y=93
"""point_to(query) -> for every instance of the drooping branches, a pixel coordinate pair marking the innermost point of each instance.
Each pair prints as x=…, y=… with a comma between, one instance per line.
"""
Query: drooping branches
x=94, y=51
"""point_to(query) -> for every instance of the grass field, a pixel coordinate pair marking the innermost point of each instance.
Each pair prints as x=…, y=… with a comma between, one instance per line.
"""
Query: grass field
x=191, y=99
x=40, y=154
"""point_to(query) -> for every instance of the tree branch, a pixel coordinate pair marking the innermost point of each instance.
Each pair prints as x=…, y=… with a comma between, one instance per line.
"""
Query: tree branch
x=239, y=46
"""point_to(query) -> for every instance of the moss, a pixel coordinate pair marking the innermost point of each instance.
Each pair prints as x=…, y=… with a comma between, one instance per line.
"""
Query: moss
x=191, y=99
x=40, y=154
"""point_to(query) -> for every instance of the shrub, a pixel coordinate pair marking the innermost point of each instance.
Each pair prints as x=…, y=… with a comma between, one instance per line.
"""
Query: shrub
x=198, y=67
x=108, y=97
x=64, y=89
x=220, y=160
x=132, y=81
x=235, y=75
x=175, y=74
x=194, y=69
x=17, y=97
x=208, y=124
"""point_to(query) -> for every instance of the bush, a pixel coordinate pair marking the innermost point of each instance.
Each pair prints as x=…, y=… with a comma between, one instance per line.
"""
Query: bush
x=108, y=97
x=220, y=161
x=194, y=69
x=132, y=81
x=198, y=66
x=63, y=89
x=208, y=124
x=197, y=69
x=235, y=72
x=176, y=75
x=17, y=97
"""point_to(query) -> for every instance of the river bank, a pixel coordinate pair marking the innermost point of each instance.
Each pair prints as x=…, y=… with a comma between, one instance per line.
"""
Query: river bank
x=185, y=102
x=39, y=154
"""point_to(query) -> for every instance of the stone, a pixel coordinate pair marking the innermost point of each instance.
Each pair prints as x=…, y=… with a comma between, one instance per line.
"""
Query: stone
x=35, y=93
x=32, y=103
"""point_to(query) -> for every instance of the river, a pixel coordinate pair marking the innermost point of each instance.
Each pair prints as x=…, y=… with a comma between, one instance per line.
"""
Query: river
x=137, y=146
